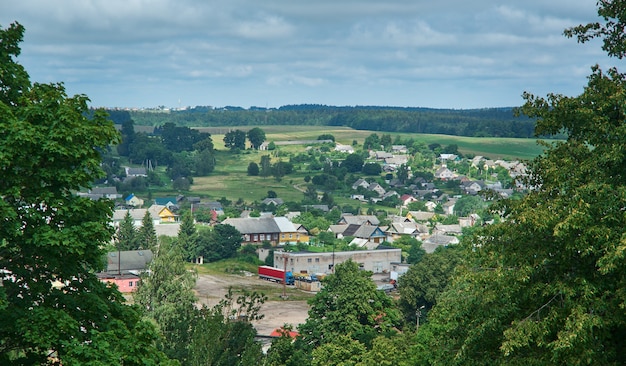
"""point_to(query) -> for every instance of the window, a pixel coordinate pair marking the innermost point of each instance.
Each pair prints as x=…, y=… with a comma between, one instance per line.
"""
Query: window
x=317, y=260
x=130, y=284
x=255, y=237
x=290, y=236
x=309, y=260
x=262, y=237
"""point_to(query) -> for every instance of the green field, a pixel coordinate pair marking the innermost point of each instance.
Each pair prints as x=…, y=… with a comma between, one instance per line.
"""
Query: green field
x=230, y=177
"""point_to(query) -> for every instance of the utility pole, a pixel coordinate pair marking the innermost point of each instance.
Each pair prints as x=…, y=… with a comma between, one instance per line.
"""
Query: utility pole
x=418, y=313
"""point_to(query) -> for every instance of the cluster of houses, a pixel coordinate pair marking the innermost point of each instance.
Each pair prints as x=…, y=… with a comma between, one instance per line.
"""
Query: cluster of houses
x=365, y=231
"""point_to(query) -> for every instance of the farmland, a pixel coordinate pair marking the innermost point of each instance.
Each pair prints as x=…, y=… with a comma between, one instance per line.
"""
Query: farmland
x=230, y=179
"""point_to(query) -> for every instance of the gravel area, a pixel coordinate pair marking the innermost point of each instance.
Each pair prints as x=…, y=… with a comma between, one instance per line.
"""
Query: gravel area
x=211, y=289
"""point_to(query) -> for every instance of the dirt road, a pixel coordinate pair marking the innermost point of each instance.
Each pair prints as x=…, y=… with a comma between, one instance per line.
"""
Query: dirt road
x=211, y=289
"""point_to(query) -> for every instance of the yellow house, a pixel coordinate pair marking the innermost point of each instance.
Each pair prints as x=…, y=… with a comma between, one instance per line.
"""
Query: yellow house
x=291, y=237
x=163, y=213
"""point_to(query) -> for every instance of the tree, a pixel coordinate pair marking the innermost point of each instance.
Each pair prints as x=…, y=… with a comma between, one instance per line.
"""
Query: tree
x=221, y=242
x=146, y=235
x=266, y=166
x=50, y=149
x=224, y=336
x=421, y=286
x=372, y=169
x=353, y=163
x=235, y=140
x=612, y=31
x=348, y=305
x=253, y=169
x=385, y=140
x=546, y=286
x=206, y=144
x=467, y=205
x=128, y=137
x=188, y=237
x=166, y=295
x=127, y=234
x=256, y=137
x=205, y=162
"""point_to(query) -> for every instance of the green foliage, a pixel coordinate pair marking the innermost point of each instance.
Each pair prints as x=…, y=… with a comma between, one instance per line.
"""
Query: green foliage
x=205, y=162
x=353, y=163
x=146, y=235
x=50, y=149
x=348, y=305
x=222, y=242
x=127, y=235
x=235, y=140
x=467, y=205
x=188, y=237
x=166, y=295
x=426, y=280
x=256, y=137
x=253, y=169
x=546, y=285
x=223, y=335
x=372, y=169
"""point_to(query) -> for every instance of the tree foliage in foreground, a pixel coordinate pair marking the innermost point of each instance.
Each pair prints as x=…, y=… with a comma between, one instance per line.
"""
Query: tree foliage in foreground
x=50, y=149
x=547, y=285
x=166, y=295
x=348, y=305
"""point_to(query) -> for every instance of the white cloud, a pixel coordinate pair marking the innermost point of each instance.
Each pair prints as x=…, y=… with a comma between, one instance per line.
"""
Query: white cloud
x=450, y=53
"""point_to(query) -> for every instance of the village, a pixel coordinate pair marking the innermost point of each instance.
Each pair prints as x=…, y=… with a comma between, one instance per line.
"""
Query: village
x=371, y=238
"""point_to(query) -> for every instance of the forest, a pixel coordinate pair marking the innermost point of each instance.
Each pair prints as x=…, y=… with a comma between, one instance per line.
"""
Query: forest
x=487, y=122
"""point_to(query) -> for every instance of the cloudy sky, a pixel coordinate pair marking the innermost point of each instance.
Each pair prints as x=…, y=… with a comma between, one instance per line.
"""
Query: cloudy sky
x=269, y=53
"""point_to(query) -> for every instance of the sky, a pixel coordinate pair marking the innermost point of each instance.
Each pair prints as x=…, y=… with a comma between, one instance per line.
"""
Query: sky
x=268, y=53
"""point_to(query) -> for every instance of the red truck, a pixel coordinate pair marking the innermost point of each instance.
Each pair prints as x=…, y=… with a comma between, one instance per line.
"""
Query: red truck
x=275, y=274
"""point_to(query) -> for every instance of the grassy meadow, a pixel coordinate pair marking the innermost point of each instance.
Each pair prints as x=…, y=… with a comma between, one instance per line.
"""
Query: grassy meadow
x=230, y=177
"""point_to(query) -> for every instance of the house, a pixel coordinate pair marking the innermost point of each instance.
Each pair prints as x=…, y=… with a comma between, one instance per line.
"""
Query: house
x=397, y=160
x=126, y=283
x=376, y=261
x=411, y=229
x=348, y=219
x=444, y=173
x=137, y=215
x=124, y=267
x=406, y=199
x=104, y=192
x=399, y=149
x=163, y=213
x=135, y=172
x=382, y=155
x=323, y=208
x=438, y=240
x=166, y=201
x=133, y=200
x=420, y=216
x=448, y=207
x=273, y=201
x=360, y=183
x=473, y=187
x=375, y=187
x=448, y=157
x=128, y=261
x=344, y=148
x=276, y=230
x=454, y=229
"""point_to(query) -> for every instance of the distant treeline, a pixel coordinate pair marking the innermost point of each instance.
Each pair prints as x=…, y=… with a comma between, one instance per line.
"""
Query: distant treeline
x=487, y=122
